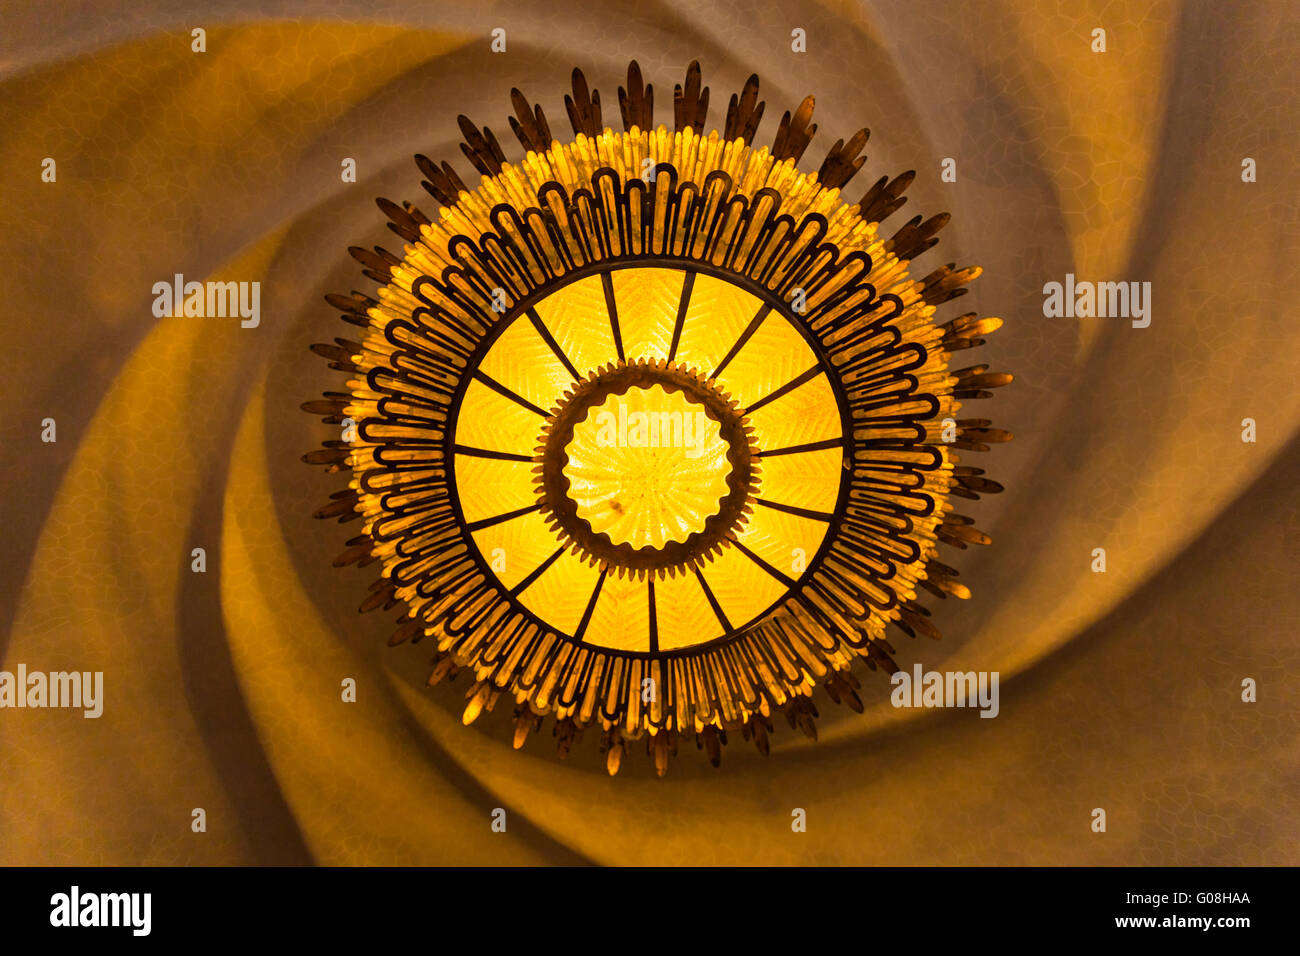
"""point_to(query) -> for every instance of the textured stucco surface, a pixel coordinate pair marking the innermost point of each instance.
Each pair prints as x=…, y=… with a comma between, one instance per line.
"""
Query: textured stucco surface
x=1119, y=690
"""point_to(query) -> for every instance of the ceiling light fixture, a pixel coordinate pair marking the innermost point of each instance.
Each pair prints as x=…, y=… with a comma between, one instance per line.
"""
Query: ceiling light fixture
x=655, y=434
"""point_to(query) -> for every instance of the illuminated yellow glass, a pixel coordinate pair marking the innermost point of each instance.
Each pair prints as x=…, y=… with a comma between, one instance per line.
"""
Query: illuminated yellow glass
x=647, y=467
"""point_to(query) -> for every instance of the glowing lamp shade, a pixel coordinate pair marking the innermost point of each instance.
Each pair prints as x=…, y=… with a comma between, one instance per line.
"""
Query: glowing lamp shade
x=652, y=433
x=647, y=467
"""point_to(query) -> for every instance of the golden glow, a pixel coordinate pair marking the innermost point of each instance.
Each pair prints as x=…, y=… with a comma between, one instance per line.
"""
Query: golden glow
x=621, y=617
x=647, y=329
x=545, y=541
x=647, y=467
x=488, y=487
x=715, y=320
x=560, y=595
